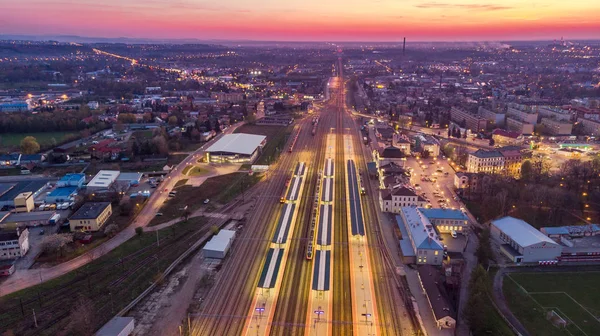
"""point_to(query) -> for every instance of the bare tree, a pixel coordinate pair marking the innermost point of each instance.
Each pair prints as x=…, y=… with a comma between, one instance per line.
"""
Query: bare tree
x=83, y=317
x=111, y=230
x=56, y=242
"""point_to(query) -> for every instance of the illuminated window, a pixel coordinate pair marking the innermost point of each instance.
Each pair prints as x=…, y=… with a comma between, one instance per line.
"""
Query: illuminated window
x=437, y=252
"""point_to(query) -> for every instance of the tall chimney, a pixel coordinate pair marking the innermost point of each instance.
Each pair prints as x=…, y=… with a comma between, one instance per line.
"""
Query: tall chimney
x=404, y=46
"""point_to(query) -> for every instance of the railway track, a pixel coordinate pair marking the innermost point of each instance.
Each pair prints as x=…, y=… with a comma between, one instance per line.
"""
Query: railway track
x=290, y=313
x=224, y=312
x=342, y=296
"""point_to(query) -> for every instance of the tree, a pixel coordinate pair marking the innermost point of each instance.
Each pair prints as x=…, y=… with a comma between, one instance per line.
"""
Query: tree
x=29, y=145
x=484, y=251
x=161, y=145
x=425, y=154
x=492, y=142
x=139, y=231
x=56, y=242
x=526, y=170
x=251, y=118
x=111, y=230
x=173, y=120
x=83, y=317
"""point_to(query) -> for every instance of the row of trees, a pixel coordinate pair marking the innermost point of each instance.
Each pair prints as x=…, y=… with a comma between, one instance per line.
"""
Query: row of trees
x=70, y=120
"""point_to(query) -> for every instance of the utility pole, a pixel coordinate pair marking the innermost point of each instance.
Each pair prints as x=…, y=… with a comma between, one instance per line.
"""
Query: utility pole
x=34, y=318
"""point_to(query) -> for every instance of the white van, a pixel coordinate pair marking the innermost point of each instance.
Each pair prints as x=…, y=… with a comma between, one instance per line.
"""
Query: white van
x=453, y=234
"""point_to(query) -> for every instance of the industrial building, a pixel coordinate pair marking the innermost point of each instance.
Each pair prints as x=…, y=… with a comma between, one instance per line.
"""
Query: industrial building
x=23, y=219
x=522, y=243
x=24, y=202
x=10, y=190
x=103, y=180
x=420, y=243
x=219, y=244
x=236, y=148
x=91, y=216
x=71, y=180
x=129, y=179
x=61, y=194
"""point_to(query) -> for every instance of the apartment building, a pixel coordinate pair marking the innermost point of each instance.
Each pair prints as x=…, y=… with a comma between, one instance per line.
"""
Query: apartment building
x=471, y=121
x=519, y=126
x=557, y=127
x=494, y=117
x=555, y=113
x=522, y=115
x=591, y=127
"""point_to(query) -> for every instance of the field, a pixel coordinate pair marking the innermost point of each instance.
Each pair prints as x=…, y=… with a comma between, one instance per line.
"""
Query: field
x=194, y=171
x=573, y=296
x=276, y=139
x=12, y=140
x=108, y=283
x=218, y=189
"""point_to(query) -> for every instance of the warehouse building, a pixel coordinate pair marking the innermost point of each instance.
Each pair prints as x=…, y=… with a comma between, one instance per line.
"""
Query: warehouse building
x=103, y=180
x=22, y=219
x=61, y=194
x=522, y=243
x=219, y=244
x=71, y=180
x=8, y=191
x=236, y=148
x=129, y=179
x=91, y=216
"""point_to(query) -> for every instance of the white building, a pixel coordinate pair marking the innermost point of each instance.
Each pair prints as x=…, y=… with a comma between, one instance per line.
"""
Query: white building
x=14, y=244
x=93, y=105
x=520, y=113
x=424, y=242
x=482, y=161
x=219, y=244
x=394, y=200
x=103, y=180
x=494, y=117
x=522, y=242
x=236, y=148
x=557, y=127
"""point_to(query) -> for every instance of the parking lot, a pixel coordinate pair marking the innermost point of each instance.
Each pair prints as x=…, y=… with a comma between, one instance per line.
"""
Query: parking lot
x=430, y=180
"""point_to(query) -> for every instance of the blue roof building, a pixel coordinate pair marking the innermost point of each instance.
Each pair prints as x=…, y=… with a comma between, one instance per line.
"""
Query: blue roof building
x=61, y=194
x=71, y=180
x=446, y=220
x=425, y=243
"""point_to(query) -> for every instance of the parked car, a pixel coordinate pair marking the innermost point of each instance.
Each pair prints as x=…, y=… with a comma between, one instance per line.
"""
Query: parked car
x=453, y=234
x=206, y=201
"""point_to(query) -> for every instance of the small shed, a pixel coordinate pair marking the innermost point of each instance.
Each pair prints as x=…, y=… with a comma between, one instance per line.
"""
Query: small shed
x=117, y=326
x=219, y=244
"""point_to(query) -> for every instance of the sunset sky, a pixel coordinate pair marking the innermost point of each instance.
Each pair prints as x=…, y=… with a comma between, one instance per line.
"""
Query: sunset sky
x=306, y=20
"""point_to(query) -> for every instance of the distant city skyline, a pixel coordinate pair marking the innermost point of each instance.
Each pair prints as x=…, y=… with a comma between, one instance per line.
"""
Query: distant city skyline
x=306, y=20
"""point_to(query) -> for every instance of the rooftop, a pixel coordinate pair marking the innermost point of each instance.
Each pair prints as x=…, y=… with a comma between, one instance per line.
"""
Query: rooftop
x=90, y=210
x=521, y=232
x=392, y=152
x=14, y=189
x=443, y=213
x=115, y=326
x=220, y=241
x=239, y=143
x=481, y=153
x=72, y=178
x=430, y=279
x=420, y=229
x=62, y=191
x=18, y=217
x=104, y=178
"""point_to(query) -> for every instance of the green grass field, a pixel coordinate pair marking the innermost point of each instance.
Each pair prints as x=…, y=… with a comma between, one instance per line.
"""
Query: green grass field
x=13, y=140
x=574, y=296
x=276, y=139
